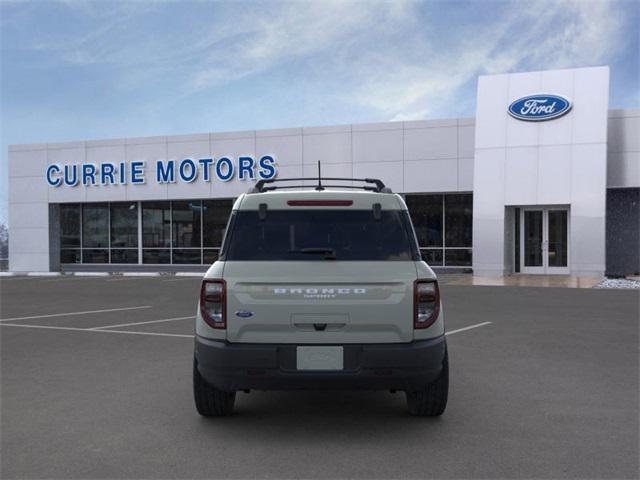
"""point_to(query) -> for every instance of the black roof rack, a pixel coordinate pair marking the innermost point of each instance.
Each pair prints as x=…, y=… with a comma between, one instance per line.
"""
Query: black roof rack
x=265, y=185
x=375, y=185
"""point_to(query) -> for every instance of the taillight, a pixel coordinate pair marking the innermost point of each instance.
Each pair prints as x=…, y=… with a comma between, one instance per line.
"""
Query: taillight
x=213, y=303
x=426, y=303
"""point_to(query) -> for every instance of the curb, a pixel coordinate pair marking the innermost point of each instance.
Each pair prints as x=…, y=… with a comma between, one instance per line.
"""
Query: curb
x=90, y=274
x=140, y=274
x=103, y=274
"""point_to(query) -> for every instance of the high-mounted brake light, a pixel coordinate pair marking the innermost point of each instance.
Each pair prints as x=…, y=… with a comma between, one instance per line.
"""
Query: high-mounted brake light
x=213, y=303
x=319, y=203
x=426, y=303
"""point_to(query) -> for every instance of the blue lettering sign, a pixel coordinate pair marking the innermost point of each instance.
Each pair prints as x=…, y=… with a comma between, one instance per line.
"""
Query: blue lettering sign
x=206, y=168
x=71, y=175
x=165, y=174
x=267, y=167
x=88, y=174
x=188, y=174
x=245, y=167
x=166, y=171
x=123, y=173
x=51, y=180
x=228, y=165
x=106, y=173
x=137, y=172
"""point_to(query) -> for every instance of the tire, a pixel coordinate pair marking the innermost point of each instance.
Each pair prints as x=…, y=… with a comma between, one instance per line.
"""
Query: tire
x=432, y=401
x=211, y=402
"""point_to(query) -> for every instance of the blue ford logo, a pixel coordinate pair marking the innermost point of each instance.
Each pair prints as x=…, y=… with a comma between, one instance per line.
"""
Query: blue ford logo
x=536, y=108
x=244, y=314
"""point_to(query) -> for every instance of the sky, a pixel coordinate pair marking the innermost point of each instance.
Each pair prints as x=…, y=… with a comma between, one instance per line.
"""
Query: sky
x=76, y=70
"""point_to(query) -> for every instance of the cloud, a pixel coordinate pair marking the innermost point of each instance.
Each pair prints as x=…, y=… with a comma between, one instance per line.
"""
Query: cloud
x=393, y=58
x=537, y=35
x=294, y=31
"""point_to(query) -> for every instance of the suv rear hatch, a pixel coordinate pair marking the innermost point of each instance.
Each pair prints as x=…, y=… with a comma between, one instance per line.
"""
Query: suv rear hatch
x=314, y=302
x=320, y=275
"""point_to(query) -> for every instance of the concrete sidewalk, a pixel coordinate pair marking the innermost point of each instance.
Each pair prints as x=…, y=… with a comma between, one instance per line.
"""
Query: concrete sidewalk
x=518, y=280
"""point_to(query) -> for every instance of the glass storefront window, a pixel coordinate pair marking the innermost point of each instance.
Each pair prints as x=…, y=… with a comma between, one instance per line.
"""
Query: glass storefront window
x=426, y=214
x=90, y=255
x=70, y=255
x=457, y=257
x=156, y=255
x=458, y=211
x=191, y=231
x=69, y=226
x=444, y=221
x=433, y=256
x=215, y=214
x=124, y=225
x=186, y=224
x=186, y=255
x=156, y=224
x=95, y=225
x=210, y=255
x=128, y=255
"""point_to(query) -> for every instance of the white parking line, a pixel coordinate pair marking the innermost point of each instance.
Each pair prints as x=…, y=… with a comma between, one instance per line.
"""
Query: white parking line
x=75, y=329
x=74, y=313
x=142, y=323
x=159, y=334
x=468, y=328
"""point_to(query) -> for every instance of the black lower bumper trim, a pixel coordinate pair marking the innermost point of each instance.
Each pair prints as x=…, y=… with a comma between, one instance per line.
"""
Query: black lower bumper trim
x=405, y=366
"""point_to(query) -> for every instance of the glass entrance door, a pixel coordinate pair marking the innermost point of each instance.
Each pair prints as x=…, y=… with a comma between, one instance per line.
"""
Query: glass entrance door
x=533, y=241
x=557, y=241
x=544, y=240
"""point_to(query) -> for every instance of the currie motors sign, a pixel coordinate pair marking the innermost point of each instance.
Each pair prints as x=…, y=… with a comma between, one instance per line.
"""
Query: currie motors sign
x=540, y=107
x=162, y=171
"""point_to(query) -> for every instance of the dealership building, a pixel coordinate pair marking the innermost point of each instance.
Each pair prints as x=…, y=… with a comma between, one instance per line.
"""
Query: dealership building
x=544, y=180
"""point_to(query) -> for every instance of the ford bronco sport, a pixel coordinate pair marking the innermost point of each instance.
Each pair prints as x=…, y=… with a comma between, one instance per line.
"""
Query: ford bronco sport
x=320, y=287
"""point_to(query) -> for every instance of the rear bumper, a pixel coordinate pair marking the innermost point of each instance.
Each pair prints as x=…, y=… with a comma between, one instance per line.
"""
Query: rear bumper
x=403, y=366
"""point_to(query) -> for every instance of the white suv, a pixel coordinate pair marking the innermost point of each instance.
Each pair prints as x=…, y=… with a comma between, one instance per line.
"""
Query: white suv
x=320, y=287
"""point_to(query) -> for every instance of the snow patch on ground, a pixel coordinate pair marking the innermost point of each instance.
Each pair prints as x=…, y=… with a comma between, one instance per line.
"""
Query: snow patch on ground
x=618, y=283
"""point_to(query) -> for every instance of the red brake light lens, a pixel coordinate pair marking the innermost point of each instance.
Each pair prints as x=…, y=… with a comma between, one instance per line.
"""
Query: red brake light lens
x=426, y=303
x=213, y=303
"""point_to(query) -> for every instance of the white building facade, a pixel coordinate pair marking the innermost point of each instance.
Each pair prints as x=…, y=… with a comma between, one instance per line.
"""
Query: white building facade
x=545, y=179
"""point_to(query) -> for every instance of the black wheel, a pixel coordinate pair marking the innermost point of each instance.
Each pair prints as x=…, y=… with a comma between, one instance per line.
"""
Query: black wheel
x=432, y=401
x=211, y=402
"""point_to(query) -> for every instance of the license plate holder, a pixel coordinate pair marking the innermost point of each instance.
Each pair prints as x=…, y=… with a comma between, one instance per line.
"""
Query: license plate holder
x=320, y=358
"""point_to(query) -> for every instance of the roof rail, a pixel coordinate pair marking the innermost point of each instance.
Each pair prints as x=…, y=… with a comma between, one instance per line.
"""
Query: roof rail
x=376, y=185
x=379, y=185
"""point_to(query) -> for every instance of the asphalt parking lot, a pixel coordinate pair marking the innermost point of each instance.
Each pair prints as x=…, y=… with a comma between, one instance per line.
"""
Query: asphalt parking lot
x=96, y=383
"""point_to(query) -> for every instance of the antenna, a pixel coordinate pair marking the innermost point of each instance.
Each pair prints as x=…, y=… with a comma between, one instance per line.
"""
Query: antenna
x=319, y=187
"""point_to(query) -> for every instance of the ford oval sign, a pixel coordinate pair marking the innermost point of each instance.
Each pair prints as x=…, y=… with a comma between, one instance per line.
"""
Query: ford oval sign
x=536, y=108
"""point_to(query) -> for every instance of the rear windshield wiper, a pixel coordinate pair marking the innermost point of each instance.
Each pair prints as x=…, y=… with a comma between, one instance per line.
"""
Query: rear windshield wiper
x=330, y=253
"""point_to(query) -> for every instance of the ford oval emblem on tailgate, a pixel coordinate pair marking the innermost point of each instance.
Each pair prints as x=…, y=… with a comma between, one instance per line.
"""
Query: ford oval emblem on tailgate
x=244, y=314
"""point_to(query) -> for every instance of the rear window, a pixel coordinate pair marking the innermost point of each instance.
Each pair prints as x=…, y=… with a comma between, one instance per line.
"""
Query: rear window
x=320, y=235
